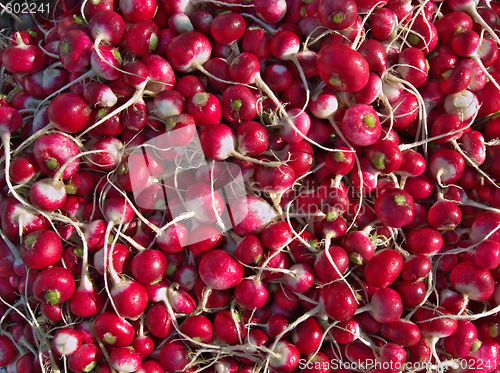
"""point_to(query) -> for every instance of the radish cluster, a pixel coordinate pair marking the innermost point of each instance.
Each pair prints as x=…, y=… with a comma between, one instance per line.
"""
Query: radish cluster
x=260, y=186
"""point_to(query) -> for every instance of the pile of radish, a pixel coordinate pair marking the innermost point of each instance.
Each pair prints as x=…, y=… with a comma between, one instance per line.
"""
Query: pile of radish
x=229, y=186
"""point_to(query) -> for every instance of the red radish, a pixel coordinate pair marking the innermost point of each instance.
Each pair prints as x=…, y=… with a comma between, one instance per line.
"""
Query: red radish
x=205, y=108
x=107, y=26
x=434, y=327
x=205, y=204
x=416, y=267
x=108, y=153
x=301, y=125
x=142, y=37
x=198, y=328
x=249, y=250
x=239, y=104
x=425, y=241
x=384, y=268
x=250, y=215
x=174, y=356
x=125, y=359
x=158, y=321
x=228, y=327
x=113, y=330
x=85, y=358
x=361, y=125
x=204, y=238
x=9, y=351
x=219, y=142
x=331, y=263
x=250, y=294
x=199, y=51
x=472, y=281
x=467, y=334
x=488, y=254
x=121, y=259
x=219, y=270
x=53, y=151
x=358, y=247
x=48, y=194
x=383, y=23
x=144, y=345
x=285, y=358
x=309, y=330
x=26, y=169
x=99, y=94
x=395, y=208
x=413, y=67
x=23, y=58
x=338, y=301
x=252, y=138
x=403, y=332
x=275, y=179
x=446, y=165
x=346, y=331
x=16, y=218
x=74, y=118
x=277, y=77
x=300, y=278
x=336, y=74
x=385, y=305
x=337, y=15
x=41, y=249
x=156, y=263
x=54, y=285
x=67, y=341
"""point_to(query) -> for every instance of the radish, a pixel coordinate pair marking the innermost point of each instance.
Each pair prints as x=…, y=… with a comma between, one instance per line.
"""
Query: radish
x=395, y=208
x=125, y=359
x=468, y=337
x=174, y=356
x=10, y=121
x=198, y=328
x=85, y=358
x=199, y=51
x=472, y=281
x=337, y=15
x=66, y=341
x=385, y=306
x=219, y=270
x=77, y=109
x=361, y=125
x=403, y=332
x=286, y=357
x=113, y=330
x=9, y=351
x=53, y=151
x=23, y=58
x=337, y=75
x=250, y=215
x=41, y=249
x=54, y=285
x=339, y=308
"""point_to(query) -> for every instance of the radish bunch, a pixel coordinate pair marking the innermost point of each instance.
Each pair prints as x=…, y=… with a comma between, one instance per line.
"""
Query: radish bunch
x=255, y=186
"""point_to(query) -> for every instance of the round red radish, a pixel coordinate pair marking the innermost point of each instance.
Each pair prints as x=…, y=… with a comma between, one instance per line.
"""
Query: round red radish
x=41, y=249
x=342, y=68
x=219, y=270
